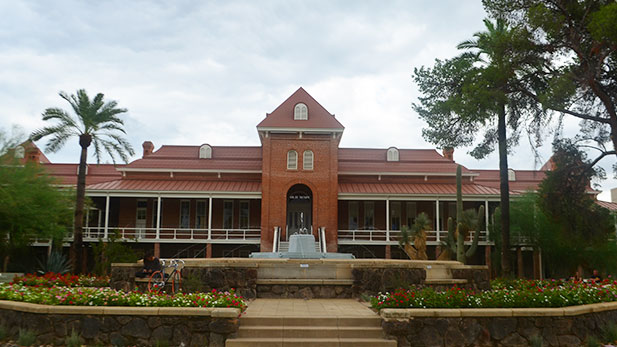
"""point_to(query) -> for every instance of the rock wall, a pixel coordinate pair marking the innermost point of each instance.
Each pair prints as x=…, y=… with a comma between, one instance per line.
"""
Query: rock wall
x=121, y=330
x=372, y=280
x=304, y=291
x=490, y=327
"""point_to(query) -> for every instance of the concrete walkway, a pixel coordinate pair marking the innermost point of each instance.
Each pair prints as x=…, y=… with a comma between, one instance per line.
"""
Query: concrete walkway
x=308, y=308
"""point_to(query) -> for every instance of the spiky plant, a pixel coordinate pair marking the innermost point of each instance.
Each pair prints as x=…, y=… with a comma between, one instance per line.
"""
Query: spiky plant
x=416, y=234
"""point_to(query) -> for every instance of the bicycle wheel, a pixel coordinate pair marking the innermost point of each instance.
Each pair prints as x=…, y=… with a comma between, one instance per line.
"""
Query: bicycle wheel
x=176, y=282
x=156, y=282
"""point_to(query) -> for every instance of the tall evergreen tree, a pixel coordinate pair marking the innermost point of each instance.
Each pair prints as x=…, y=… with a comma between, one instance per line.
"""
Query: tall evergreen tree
x=579, y=39
x=480, y=90
x=94, y=122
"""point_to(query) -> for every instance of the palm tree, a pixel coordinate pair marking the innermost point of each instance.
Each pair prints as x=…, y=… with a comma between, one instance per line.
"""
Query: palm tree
x=496, y=51
x=96, y=122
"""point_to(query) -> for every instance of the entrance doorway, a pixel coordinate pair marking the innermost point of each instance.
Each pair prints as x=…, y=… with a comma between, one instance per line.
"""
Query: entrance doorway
x=299, y=210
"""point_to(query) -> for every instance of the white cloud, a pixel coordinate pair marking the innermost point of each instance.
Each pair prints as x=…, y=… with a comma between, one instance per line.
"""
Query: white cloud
x=195, y=72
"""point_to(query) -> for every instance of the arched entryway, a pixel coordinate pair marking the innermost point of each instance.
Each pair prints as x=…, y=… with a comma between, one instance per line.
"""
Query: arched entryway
x=299, y=210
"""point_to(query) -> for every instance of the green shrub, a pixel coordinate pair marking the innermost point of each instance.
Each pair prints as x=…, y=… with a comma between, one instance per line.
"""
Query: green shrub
x=536, y=341
x=74, y=340
x=56, y=263
x=26, y=337
x=609, y=333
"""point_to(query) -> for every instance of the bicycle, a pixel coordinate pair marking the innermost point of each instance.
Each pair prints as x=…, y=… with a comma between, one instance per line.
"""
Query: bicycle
x=159, y=279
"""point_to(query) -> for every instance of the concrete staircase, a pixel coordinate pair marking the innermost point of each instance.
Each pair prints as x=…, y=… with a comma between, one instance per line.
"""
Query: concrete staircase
x=284, y=246
x=310, y=332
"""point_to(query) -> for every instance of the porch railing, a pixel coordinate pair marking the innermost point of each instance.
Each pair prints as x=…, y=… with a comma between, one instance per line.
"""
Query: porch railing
x=374, y=236
x=92, y=234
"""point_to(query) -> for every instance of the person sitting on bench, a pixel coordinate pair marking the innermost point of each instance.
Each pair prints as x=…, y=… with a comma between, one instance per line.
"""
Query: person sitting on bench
x=151, y=264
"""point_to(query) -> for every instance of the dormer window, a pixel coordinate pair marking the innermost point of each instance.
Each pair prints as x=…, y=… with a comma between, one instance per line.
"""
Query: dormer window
x=300, y=112
x=511, y=175
x=20, y=152
x=392, y=154
x=205, y=152
x=292, y=160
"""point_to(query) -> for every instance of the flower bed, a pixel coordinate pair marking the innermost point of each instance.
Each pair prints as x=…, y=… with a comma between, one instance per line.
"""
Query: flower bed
x=91, y=296
x=505, y=294
x=51, y=279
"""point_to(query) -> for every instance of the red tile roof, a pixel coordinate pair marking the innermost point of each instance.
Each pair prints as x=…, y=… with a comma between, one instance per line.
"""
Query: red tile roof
x=372, y=160
x=609, y=205
x=178, y=186
x=67, y=173
x=525, y=180
x=283, y=116
x=414, y=188
x=187, y=158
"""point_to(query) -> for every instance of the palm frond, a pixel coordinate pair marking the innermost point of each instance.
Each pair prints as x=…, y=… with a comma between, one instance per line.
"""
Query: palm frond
x=59, y=114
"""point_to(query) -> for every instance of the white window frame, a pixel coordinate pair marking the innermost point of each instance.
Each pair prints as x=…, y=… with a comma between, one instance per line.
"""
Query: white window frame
x=204, y=222
x=188, y=217
x=354, y=215
x=511, y=175
x=292, y=163
x=248, y=214
x=300, y=111
x=393, y=154
x=307, y=160
x=232, y=214
x=205, y=152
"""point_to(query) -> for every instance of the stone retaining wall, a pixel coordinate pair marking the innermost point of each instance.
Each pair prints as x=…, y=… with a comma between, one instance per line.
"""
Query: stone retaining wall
x=570, y=326
x=121, y=326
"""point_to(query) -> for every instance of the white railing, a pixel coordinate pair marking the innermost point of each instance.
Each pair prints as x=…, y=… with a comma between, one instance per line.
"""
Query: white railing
x=374, y=236
x=92, y=234
x=322, y=239
x=276, y=239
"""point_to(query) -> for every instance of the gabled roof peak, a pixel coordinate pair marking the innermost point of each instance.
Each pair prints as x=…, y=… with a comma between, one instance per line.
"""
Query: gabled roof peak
x=317, y=117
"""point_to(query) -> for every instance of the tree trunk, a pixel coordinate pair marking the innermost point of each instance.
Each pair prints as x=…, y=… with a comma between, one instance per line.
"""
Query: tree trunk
x=504, y=188
x=77, y=248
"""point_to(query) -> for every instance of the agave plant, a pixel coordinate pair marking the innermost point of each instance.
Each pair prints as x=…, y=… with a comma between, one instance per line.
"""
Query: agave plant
x=56, y=263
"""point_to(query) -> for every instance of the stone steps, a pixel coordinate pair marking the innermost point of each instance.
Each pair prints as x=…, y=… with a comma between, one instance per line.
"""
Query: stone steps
x=284, y=246
x=310, y=331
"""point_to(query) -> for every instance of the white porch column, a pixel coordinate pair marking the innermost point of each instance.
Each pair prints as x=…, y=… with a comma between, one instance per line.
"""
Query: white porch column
x=486, y=218
x=387, y=219
x=158, y=217
x=438, y=221
x=105, y=231
x=210, y=217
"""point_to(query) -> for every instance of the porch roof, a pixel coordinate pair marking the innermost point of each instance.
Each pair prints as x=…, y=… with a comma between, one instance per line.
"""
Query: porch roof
x=414, y=189
x=178, y=186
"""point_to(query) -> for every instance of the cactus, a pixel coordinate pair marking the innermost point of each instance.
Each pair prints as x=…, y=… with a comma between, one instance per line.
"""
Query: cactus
x=417, y=235
x=465, y=221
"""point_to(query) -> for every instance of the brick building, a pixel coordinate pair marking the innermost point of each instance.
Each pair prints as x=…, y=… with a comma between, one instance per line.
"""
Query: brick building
x=213, y=201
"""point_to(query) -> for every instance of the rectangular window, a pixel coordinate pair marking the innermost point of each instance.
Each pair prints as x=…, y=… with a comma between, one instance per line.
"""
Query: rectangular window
x=228, y=214
x=411, y=213
x=185, y=214
x=395, y=215
x=243, y=222
x=201, y=222
x=369, y=215
x=354, y=212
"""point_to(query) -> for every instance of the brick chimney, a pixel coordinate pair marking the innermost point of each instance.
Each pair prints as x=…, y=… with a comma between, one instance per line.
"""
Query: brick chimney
x=448, y=153
x=148, y=148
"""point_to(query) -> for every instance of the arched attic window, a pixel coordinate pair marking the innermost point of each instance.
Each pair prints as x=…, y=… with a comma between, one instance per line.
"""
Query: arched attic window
x=307, y=161
x=205, y=152
x=392, y=154
x=292, y=160
x=20, y=152
x=300, y=112
x=511, y=175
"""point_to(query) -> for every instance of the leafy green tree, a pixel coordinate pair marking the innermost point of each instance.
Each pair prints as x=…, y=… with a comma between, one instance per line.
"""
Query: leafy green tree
x=94, y=122
x=31, y=207
x=579, y=40
x=480, y=90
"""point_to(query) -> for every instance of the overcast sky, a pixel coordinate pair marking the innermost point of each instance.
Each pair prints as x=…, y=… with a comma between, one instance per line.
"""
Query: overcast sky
x=193, y=72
